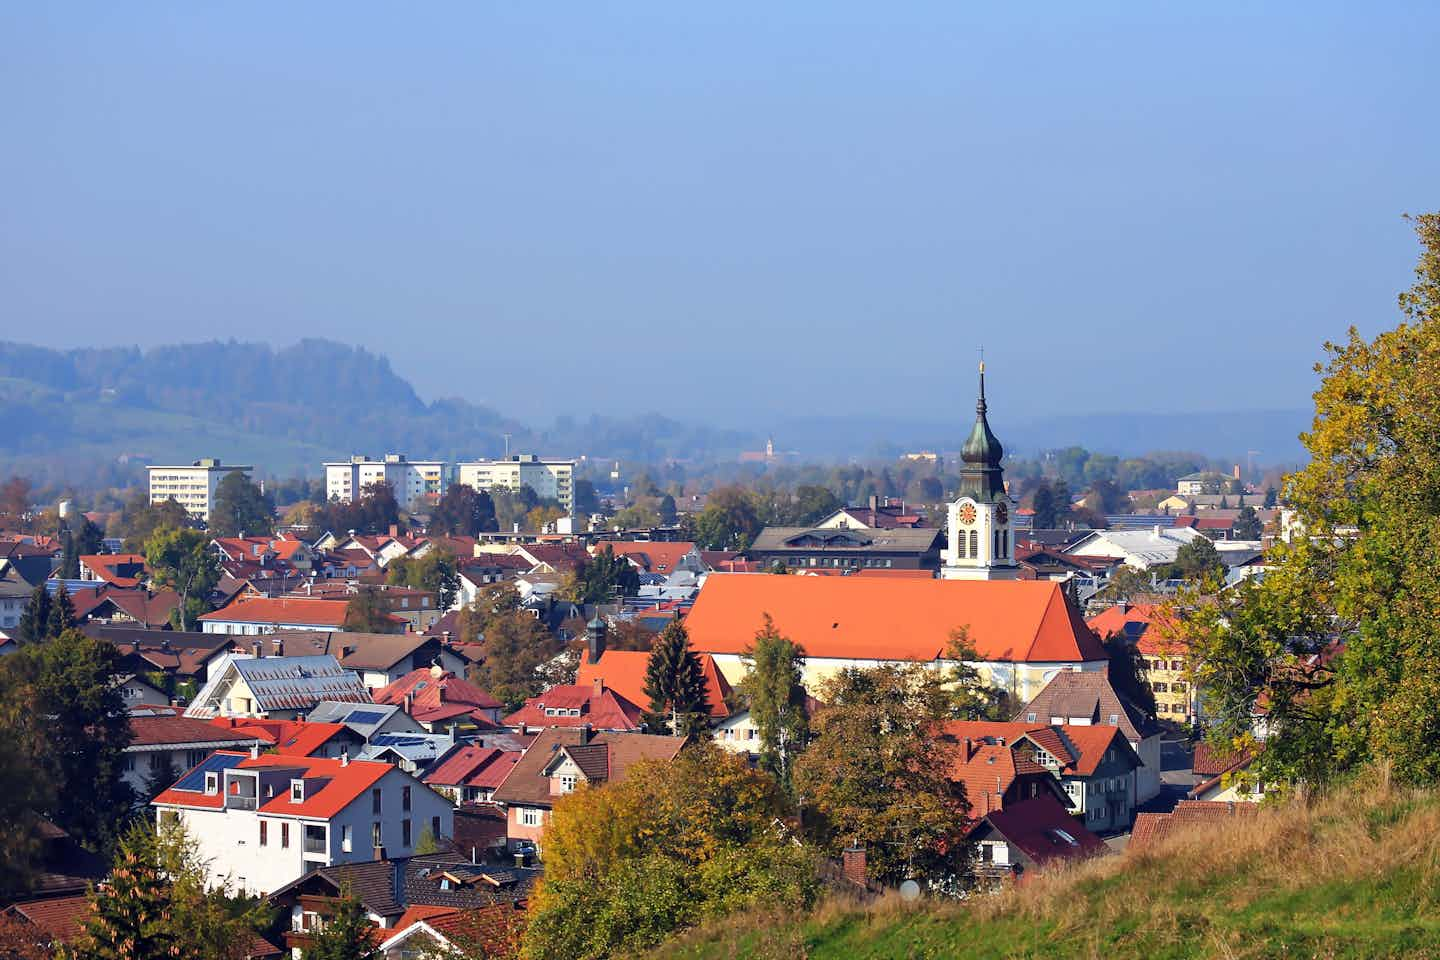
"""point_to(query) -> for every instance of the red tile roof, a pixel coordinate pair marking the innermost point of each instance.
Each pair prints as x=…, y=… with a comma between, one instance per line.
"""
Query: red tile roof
x=57, y=918
x=472, y=766
x=880, y=619
x=160, y=731
x=277, y=610
x=344, y=783
x=1157, y=641
x=1079, y=749
x=651, y=556
x=602, y=710
x=624, y=672
x=1040, y=826
x=1201, y=819
x=435, y=698
x=107, y=567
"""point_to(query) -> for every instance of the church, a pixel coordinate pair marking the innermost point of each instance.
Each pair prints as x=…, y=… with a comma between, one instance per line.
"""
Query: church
x=1023, y=631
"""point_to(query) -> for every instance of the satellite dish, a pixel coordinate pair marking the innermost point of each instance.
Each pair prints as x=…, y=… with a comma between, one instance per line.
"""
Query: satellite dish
x=909, y=890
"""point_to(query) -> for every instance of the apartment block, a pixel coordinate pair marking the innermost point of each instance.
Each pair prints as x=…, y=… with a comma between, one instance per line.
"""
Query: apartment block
x=550, y=479
x=417, y=483
x=193, y=486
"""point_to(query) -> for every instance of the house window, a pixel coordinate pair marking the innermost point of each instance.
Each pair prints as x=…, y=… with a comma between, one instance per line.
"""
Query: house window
x=264, y=833
x=193, y=758
x=435, y=828
x=375, y=801
x=405, y=833
x=345, y=837
x=297, y=791
x=1114, y=719
x=212, y=783
x=567, y=783
x=404, y=798
x=1030, y=717
x=127, y=763
x=284, y=836
x=529, y=817
x=375, y=834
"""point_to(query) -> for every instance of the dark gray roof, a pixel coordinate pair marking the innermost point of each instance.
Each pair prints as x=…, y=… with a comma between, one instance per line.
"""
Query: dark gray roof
x=842, y=540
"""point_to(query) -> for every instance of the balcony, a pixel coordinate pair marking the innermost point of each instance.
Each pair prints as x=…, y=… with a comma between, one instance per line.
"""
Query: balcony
x=316, y=841
x=236, y=802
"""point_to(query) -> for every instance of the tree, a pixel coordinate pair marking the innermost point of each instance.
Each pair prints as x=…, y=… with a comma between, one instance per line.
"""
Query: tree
x=346, y=934
x=540, y=519
x=464, y=512
x=240, y=509
x=675, y=684
x=1337, y=642
x=515, y=645
x=586, y=502
x=139, y=519
x=1199, y=559
x=1126, y=583
x=367, y=612
x=435, y=572
x=210, y=923
x=876, y=774
x=75, y=683
x=181, y=560
x=773, y=687
x=35, y=619
x=1271, y=498
x=1061, y=493
x=615, y=884
x=974, y=697
x=728, y=522
x=605, y=577
x=15, y=499
x=667, y=510
x=1247, y=525
x=1127, y=670
x=129, y=915
x=814, y=503
x=62, y=613
x=25, y=772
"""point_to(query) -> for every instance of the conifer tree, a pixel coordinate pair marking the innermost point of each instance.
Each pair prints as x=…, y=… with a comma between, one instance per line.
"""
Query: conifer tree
x=675, y=685
x=130, y=913
x=36, y=618
x=62, y=613
x=347, y=934
x=69, y=554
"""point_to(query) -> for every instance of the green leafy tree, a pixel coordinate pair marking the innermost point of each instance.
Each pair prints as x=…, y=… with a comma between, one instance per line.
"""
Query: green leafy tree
x=515, y=646
x=1247, y=525
x=1337, y=643
x=675, y=684
x=25, y=772
x=181, y=560
x=1126, y=583
x=876, y=773
x=729, y=520
x=75, y=683
x=346, y=934
x=435, y=572
x=367, y=612
x=139, y=519
x=1199, y=559
x=974, y=698
x=240, y=509
x=773, y=687
x=604, y=577
x=35, y=618
x=813, y=503
x=62, y=613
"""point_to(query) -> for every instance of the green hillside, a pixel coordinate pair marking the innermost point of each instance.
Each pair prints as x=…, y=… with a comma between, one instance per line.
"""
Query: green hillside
x=1354, y=875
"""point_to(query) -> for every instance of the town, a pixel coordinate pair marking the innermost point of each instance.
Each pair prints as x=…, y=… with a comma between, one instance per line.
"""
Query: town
x=383, y=701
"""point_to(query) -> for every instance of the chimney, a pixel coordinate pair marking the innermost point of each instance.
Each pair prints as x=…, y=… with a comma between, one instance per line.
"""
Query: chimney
x=394, y=530
x=874, y=503
x=584, y=733
x=409, y=702
x=258, y=649
x=598, y=687
x=1156, y=533
x=255, y=750
x=345, y=757
x=852, y=866
x=1236, y=471
x=595, y=632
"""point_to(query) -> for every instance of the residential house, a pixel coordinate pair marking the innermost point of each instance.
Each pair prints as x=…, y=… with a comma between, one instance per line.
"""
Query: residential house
x=415, y=753
x=437, y=698
x=382, y=658
x=1095, y=764
x=137, y=691
x=1025, y=837
x=468, y=773
x=1201, y=820
x=995, y=775
x=1081, y=699
x=1224, y=777
x=849, y=548
x=262, y=821
x=431, y=931
x=1023, y=631
x=255, y=615
x=559, y=760
x=661, y=557
x=881, y=513
x=61, y=866
x=366, y=720
x=574, y=705
x=623, y=671
x=52, y=922
x=150, y=610
x=123, y=570
x=297, y=738
x=276, y=688
x=550, y=479
x=161, y=746
x=14, y=597
x=1141, y=549
x=1166, y=673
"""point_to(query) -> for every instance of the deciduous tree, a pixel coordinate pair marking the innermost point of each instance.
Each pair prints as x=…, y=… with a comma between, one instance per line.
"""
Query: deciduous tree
x=773, y=688
x=240, y=508
x=181, y=560
x=367, y=612
x=464, y=511
x=435, y=572
x=346, y=934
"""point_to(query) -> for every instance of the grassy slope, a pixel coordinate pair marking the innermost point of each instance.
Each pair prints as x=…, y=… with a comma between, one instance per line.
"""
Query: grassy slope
x=1355, y=875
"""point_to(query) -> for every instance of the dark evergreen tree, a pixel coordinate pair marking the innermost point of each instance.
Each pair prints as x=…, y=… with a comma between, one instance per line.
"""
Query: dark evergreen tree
x=35, y=619
x=605, y=576
x=1271, y=498
x=130, y=913
x=667, y=511
x=1247, y=525
x=69, y=555
x=675, y=685
x=62, y=613
x=1044, y=506
x=240, y=509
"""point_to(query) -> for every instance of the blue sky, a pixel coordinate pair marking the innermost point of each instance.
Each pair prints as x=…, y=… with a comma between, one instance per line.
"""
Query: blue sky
x=725, y=210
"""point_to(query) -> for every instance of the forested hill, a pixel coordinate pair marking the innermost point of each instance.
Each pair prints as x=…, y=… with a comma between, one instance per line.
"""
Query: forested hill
x=284, y=410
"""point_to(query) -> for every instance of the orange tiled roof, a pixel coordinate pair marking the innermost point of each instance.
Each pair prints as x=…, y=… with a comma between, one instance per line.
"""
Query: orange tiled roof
x=652, y=556
x=602, y=710
x=307, y=610
x=624, y=672
x=436, y=698
x=345, y=782
x=883, y=619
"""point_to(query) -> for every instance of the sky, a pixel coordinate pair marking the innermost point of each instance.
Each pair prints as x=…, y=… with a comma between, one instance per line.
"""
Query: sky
x=724, y=211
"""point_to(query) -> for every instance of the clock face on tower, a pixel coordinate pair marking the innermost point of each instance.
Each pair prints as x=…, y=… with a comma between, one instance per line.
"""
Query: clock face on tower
x=967, y=513
x=1001, y=513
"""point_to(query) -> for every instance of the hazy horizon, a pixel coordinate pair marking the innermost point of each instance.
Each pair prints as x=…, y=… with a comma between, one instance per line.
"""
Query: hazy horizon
x=728, y=214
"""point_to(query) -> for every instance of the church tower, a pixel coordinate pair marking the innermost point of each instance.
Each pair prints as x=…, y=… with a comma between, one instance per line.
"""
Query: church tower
x=982, y=545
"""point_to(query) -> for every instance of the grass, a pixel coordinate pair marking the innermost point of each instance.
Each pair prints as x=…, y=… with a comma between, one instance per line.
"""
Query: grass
x=1353, y=874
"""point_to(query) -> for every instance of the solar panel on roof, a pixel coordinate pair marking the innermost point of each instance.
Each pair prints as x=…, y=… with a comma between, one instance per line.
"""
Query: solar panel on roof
x=364, y=716
x=194, y=781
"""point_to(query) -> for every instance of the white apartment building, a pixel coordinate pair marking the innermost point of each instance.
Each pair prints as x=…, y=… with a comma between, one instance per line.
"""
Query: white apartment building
x=193, y=486
x=262, y=821
x=417, y=483
x=550, y=479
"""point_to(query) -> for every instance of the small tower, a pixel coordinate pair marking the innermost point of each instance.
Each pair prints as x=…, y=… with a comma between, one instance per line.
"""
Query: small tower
x=981, y=544
x=595, y=632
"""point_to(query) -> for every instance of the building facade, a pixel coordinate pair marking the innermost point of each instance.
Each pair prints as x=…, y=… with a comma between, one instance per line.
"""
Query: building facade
x=550, y=479
x=418, y=484
x=981, y=544
x=193, y=486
